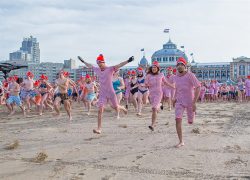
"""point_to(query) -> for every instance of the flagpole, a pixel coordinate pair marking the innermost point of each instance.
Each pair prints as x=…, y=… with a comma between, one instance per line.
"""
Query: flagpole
x=168, y=32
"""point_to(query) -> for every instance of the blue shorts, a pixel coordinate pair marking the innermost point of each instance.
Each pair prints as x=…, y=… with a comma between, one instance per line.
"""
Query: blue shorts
x=90, y=96
x=30, y=93
x=14, y=99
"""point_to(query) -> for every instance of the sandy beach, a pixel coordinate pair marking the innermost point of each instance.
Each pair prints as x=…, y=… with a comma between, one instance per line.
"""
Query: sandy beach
x=217, y=145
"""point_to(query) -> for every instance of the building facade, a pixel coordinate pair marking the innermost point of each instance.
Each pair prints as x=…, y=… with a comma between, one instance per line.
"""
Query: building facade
x=47, y=68
x=207, y=71
x=168, y=55
x=239, y=68
x=29, y=51
x=20, y=56
x=70, y=64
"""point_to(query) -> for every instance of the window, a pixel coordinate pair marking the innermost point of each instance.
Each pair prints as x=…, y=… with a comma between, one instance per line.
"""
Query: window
x=242, y=70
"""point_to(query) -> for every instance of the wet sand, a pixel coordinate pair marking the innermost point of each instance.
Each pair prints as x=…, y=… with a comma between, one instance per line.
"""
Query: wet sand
x=217, y=145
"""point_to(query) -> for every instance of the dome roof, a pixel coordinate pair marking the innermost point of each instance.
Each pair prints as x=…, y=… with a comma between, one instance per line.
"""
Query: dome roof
x=143, y=61
x=169, y=49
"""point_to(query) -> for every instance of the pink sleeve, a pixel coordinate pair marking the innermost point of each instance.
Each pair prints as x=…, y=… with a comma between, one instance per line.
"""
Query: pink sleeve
x=171, y=79
x=95, y=69
x=164, y=80
x=194, y=81
x=113, y=68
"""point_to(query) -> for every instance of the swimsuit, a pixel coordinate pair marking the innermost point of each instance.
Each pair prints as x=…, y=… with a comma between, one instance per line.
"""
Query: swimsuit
x=135, y=90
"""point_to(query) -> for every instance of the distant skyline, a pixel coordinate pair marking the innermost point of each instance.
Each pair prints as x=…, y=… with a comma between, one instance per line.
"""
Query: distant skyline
x=214, y=30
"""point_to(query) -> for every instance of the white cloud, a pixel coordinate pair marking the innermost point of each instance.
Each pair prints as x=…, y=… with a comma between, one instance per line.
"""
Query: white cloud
x=215, y=30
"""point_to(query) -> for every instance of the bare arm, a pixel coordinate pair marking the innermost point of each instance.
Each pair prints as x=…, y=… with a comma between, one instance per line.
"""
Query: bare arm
x=86, y=64
x=167, y=83
x=196, y=94
x=48, y=84
x=124, y=62
x=122, y=83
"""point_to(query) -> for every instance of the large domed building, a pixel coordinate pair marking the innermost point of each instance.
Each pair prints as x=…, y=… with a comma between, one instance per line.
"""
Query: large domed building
x=168, y=55
x=143, y=62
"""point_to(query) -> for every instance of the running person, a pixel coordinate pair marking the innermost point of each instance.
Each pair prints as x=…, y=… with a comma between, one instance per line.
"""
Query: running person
x=154, y=81
x=142, y=90
x=107, y=92
x=186, y=96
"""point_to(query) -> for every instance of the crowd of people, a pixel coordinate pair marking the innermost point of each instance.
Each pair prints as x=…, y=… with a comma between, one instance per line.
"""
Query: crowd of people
x=179, y=89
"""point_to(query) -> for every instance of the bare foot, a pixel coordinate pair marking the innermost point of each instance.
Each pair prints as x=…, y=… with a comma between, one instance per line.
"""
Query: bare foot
x=125, y=111
x=118, y=117
x=97, y=131
x=70, y=118
x=11, y=113
x=56, y=115
x=180, y=145
x=138, y=114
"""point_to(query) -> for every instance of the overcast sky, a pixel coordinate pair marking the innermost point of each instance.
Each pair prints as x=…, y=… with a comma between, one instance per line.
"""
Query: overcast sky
x=214, y=30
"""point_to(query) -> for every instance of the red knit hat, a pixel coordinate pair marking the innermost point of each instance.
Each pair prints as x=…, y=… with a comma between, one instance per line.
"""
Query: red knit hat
x=181, y=60
x=15, y=77
x=170, y=68
x=88, y=76
x=5, y=84
x=29, y=74
x=36, y=83
x=139, y=69
x=43, y=77
x=155, y=63
x=133, y=72
x=129, y=73
x=9, y=78
x=66, y=74
x=100, y=59
x=248, y=77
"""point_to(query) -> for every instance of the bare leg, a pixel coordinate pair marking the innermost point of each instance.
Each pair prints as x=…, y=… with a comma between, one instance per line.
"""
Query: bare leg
x=154, y=115
x=99, y=124
x=67, y=106
x=119, y=97
x=9, y=108
x=23, y=110
x=89, y=107
x=27, y=101
x=139, y=105
x=179, y=132
x=56, y=104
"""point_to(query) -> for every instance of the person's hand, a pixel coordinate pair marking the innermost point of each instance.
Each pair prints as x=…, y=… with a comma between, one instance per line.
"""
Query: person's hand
x=131, y=59
x=80, y=58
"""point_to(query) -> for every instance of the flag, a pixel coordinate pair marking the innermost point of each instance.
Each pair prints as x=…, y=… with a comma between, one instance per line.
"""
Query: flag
x=182, y=46
x=166, y=31
x=142, y=49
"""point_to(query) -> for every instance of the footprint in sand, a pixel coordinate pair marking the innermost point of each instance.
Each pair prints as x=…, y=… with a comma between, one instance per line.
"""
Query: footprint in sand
x=107, y=177
x=123, y=126
x=196, y=131
x=235, y=148
x=236, y=162
x=139, y=157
